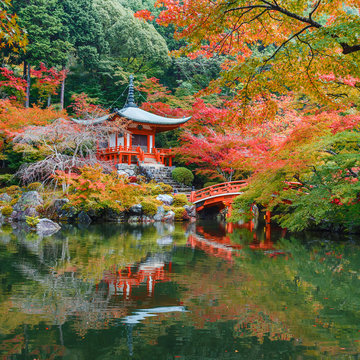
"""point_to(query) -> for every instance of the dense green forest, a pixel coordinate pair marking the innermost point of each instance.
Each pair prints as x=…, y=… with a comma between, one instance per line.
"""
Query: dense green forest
x=101, y=43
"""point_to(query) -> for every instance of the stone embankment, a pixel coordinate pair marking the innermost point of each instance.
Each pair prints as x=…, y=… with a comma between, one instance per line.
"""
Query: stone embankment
x=29, y=209
x=137, y=213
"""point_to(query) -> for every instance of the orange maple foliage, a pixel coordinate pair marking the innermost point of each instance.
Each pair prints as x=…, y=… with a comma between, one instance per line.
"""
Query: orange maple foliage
x=14, y=117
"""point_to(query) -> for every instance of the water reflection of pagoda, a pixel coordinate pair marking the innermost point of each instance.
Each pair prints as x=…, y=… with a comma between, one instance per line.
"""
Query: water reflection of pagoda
x=122, y=281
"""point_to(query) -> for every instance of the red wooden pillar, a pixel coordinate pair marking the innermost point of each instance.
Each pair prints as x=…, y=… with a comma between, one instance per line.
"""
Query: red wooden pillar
x=230, y=228
x=268, y=217
x=129, y=159
x=229, y=209
x=148, y=143
x=170, y=160
x=268, y=233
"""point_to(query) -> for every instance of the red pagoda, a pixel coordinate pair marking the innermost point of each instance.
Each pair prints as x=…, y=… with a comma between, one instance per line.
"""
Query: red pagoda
x=138, y=145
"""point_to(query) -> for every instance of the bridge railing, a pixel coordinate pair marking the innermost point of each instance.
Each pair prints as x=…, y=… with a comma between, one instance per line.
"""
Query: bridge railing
x=218, y=189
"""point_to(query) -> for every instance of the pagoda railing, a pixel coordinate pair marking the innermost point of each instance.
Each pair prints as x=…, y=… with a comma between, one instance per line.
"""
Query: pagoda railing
x=116, y=153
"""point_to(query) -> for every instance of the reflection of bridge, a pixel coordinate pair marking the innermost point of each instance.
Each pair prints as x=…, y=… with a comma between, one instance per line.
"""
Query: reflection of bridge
x=222, y=246
x=217, y=195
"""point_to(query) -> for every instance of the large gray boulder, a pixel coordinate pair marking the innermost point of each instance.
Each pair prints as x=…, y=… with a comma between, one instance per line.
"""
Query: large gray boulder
x=160, y=214
x=191, y=210
x=5, y=197
x=28, y=199
x=46, y=227
x=84, y=218
x=169, y=216
x=21, y=215
x=58, y=205
x=165, y=199
x=114, y=216
x=134, y=219
x=136, y=209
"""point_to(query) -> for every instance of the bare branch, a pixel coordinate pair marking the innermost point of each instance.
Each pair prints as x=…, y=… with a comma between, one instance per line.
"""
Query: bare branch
x=251, y=7
x=283, y=44
x=314, y=9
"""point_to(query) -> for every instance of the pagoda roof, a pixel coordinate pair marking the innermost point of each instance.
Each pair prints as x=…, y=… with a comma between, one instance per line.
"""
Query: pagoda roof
x=132, y=112
x=145, y=117
x=137, y=115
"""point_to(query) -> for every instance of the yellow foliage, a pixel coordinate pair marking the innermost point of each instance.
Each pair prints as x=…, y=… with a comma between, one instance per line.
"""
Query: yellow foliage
x=7, y=210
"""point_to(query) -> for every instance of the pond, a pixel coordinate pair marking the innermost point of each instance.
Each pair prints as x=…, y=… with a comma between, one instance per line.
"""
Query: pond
x=184, y=291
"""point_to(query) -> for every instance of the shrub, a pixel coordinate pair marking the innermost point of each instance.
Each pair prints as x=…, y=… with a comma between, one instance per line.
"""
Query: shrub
x=35, y=186
x=159, y=188
x=183, y=175
x=92, y=189
x=180, y=213
x=32, y=221
x=209, y=183
x=149, y=208
x=6, y=179
x=180, y=200
x=166, y=188
x=7, y=210
x=13, y=190
x=13, y=202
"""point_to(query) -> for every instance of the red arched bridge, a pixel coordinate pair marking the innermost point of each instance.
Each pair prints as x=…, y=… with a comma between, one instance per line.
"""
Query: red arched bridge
x=220, y=195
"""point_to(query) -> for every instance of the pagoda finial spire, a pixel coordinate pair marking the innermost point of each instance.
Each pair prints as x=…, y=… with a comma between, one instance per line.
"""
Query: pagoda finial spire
x=130, y=102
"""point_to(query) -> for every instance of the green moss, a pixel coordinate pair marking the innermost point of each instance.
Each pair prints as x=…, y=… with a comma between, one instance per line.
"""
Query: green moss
x=180, y=200
x=35, y=186
x=7, y=210
x=149, y=208
x=180, y=213
x=13, y=190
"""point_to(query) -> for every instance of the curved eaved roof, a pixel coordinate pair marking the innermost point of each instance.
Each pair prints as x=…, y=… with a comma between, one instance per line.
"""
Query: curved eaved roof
x=132, y=112
x=139, y=115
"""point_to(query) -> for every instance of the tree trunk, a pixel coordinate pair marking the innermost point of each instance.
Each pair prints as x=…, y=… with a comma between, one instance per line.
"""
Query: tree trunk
x=24, y=71
x=49, y=100
x=62, y=92
x=28, y=83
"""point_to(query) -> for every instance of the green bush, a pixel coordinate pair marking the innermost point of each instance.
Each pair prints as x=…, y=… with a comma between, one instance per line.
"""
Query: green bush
x=32, y=221
x=180, y=213
x=210, y=183
x=180, y=200
x=7, y=210
x=6, y=179
x=35, y=186
x=183, y=175
x=149, y=208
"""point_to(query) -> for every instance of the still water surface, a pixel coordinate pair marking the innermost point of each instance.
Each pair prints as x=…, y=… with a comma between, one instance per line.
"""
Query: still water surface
x=194, y=291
